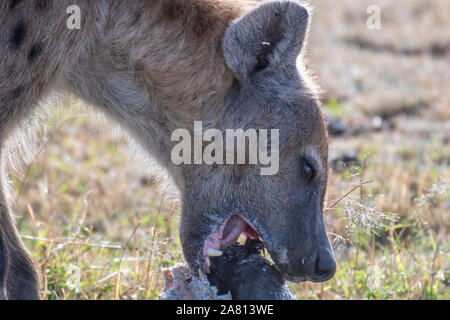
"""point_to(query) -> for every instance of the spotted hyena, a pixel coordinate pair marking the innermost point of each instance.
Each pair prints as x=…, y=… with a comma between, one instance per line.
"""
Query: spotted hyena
x=154, y=66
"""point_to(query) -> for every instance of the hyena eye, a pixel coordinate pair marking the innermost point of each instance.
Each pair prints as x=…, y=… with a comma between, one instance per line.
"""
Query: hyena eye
x=307, y=170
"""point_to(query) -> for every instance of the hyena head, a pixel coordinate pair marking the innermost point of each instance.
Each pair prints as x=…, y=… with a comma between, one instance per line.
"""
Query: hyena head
x=284, y=209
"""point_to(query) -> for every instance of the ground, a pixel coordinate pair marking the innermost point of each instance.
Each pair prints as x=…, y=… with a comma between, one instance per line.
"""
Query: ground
x=101, y=226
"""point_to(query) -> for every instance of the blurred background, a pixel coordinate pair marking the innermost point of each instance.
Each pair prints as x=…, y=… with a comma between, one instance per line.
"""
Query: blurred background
x=102, y=226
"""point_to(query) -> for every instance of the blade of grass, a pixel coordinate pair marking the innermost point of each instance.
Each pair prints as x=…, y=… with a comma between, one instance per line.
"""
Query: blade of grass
x=117, y=286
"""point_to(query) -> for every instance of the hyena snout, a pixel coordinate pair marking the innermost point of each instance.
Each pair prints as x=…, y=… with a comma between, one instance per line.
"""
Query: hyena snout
x=316, y=265
x=324, y=265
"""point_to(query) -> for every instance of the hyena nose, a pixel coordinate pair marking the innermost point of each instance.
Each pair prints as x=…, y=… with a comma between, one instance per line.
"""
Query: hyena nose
x=325, y=266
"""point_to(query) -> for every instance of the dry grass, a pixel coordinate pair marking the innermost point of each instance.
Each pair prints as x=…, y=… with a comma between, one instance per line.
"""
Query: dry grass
x=100, y=228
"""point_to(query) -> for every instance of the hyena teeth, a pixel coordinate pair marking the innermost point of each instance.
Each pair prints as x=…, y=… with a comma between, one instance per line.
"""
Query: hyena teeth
x=211, y=252
x=208, y=264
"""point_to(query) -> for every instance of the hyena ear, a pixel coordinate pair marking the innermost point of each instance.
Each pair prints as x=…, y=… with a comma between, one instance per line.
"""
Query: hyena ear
x=268, y=36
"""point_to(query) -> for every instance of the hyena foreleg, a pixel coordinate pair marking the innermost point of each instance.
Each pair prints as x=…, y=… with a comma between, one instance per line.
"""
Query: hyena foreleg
x=36, y=47
x=18, y=276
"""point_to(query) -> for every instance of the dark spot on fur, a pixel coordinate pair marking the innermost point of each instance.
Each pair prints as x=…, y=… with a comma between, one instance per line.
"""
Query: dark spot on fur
x=13, y=4
x=16, y=93
x=172, y=10
x=139, y=67
x=198, y=17
x=203, y=22
x=41, y=4
x=18, y=34
x=137, y=17
x=35, y=51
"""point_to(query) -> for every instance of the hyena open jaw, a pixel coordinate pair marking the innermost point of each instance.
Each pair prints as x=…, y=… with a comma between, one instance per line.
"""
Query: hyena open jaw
x=155, y=66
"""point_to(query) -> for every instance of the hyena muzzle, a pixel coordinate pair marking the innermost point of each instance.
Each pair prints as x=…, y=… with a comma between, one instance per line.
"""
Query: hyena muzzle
x=156, y=65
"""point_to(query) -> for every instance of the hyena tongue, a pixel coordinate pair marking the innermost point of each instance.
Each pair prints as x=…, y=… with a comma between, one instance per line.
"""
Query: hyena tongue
x=234, y=227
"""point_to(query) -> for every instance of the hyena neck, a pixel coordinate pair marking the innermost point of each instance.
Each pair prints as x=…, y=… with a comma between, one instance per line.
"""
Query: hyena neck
x=158, y=66
x=182, y=59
